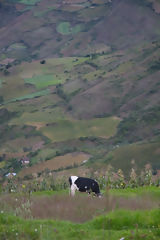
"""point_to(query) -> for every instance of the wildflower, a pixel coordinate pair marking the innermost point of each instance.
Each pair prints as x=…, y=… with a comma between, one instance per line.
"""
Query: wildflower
x=16, y=234
x=35, y=230
x=23, y=186
x=2, y=212
x=122, y=238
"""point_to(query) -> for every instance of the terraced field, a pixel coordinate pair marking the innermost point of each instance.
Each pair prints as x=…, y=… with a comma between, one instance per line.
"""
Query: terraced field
x=61, y=162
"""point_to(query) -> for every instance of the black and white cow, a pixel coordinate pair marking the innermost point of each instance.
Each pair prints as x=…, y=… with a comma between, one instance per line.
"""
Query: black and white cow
x=83, y=184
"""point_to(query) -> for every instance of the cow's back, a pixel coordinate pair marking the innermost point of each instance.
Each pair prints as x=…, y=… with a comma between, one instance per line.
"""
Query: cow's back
x=87, y=184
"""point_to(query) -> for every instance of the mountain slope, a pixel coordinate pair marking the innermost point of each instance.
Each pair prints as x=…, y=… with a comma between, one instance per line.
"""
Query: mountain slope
x=79, y=77
x=58, y=28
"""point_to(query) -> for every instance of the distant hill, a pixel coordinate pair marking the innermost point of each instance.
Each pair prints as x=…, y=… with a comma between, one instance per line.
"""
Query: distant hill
x=80, y=76
x=36, y=29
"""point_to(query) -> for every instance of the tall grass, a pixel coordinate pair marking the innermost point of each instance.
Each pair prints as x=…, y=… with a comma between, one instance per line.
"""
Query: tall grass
x=59, y=216
x=79, y=209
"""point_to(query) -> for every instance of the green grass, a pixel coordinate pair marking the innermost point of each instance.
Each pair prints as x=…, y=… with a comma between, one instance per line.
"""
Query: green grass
x=2, y=164
x=50, y=193
x=42, y=81
x=40, y=116
x=29, y=96
x=67, y=62
x=29, y=2
x=55, y=71
x=65, y=28
x=77, y=28
x=65, y=129
x=123, y=219
x=17, y=46
x=3, y=56
x=132, y=192
x=135, y=225
x=111, y=224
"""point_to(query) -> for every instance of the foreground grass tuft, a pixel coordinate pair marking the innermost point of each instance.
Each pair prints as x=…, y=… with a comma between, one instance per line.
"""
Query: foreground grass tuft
x=128, y=224
x=124, y=219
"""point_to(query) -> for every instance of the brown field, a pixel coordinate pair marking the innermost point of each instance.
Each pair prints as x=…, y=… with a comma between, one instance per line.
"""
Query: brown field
x=9, y=155
x=58, y=162
x=71, y=8
x=16, y=145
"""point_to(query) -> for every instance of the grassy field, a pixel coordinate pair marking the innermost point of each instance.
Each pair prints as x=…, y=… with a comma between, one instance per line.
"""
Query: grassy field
x=55, y=215
x=122, y=226
x=65, y=130
x=65, y=28
x=29, y=2
x=29, y=96
x=41, y=81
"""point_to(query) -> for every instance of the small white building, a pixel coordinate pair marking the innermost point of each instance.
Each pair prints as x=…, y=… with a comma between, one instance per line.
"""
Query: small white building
x=10, y=175
x=25, y=161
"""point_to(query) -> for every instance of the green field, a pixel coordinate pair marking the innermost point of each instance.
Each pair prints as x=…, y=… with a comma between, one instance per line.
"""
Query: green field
x=29, y=2
x=44, y=117
x=66, y=28
x=65, y=129
x=29, y=96
x=17, y=46
x=42, y=81
x=36, y=218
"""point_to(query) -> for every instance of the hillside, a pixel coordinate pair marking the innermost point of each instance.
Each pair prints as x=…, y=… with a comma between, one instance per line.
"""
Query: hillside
x=81, y=78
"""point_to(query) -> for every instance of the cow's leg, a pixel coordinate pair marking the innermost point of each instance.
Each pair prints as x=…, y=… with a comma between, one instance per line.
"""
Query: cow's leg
x=72, y=190
x=89, y=192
